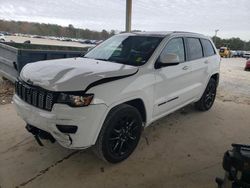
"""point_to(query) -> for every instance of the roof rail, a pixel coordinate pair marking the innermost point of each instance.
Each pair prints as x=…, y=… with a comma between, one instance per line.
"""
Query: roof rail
x=185, y=32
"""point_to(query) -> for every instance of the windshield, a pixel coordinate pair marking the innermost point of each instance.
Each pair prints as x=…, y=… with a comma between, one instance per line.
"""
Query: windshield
x=126, y=49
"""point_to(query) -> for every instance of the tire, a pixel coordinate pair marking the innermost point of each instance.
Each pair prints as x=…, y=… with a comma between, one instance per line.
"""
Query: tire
x=208, y=97
x=120, y=134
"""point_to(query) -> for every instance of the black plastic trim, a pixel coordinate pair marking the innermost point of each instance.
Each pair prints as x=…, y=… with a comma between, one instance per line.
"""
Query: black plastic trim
x=71, y=129
x=172, y=99
x=162, y=103
x=106, y=80
x=159, y=65
x=168, y=101
x=39, y=133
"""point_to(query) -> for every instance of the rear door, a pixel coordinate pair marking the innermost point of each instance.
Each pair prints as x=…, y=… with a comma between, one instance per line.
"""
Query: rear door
x=199, y=67
x=210, y=60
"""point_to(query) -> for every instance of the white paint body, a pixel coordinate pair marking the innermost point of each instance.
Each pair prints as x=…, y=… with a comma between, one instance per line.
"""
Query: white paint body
x=185, y=81
x=2, y=37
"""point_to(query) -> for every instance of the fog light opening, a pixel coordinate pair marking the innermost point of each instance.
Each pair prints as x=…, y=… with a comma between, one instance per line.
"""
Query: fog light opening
x=71, y=129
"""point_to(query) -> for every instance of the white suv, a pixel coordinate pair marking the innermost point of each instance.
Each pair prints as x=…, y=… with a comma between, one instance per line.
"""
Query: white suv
x=107, y=97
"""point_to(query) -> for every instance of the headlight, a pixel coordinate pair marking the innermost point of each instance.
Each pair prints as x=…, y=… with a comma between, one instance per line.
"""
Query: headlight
x=75, y=100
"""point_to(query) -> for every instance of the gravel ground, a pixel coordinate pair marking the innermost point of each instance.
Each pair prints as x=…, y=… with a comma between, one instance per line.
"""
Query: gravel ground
x=234, y=81
x=6, y=91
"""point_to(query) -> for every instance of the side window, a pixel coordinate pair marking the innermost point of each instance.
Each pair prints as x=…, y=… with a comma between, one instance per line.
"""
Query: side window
x=207, y=48
x=175, y=46
x=194, y=48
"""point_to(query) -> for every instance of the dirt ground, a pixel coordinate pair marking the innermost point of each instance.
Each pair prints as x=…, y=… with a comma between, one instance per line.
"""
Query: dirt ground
x=20, y=39
x=235, y=82
x=182, y=150
x=6, y=91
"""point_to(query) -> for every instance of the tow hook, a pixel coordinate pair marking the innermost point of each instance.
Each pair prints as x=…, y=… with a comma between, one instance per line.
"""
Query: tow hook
x=40, y=134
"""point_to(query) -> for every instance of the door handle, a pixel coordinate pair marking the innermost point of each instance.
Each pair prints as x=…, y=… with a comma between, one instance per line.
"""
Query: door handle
x=185, y=68
x=206, y=62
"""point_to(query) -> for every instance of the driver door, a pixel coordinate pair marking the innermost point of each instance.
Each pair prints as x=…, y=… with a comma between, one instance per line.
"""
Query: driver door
x=173, y=80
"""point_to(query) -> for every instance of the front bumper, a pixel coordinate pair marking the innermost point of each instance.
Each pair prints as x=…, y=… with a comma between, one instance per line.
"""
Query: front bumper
x=88, y=120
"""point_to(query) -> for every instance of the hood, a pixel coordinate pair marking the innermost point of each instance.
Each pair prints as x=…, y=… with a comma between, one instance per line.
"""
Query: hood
x=72, y=74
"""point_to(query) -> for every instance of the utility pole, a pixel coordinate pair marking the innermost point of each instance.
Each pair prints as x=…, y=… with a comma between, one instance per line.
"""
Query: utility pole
x=215, y=36
x=128, y=15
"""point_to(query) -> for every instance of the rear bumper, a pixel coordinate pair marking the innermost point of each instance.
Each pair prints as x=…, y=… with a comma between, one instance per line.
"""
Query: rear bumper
x=87, y=119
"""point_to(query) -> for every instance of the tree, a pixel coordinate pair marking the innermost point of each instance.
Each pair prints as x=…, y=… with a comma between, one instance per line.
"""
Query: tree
x=71, y=26
x=232, y=43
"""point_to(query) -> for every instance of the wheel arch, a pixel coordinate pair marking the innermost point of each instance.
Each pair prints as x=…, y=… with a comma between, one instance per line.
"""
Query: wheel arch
x=138, y=103
x=216, y=77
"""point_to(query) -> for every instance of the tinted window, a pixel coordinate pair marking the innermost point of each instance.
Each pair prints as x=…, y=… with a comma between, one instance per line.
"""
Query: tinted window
x=207, y=47
x=125, y=49
x=194, y=48
x=175, y=46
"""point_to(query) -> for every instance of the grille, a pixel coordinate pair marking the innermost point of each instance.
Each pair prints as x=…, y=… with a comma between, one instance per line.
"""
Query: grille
x=35, y=96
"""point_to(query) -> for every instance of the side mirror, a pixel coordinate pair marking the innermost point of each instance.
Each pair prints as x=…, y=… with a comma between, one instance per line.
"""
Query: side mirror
x=167, y=60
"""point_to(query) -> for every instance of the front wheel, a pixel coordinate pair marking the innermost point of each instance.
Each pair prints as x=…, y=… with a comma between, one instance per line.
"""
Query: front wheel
x=120, y=134
x=208, y=97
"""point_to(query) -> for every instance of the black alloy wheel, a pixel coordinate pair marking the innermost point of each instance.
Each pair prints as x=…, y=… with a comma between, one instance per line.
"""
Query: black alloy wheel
x=120, y=134
x=124, y=136
x=208, y=97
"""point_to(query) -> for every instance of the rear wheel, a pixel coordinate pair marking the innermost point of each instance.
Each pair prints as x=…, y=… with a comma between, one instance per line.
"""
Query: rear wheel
x=120, y=134
x=208, y=97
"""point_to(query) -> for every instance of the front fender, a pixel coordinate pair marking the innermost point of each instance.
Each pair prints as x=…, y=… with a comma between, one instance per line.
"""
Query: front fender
x=139, y=86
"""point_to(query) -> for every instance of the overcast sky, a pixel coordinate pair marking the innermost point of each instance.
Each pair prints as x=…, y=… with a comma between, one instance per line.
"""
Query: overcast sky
x=231, y=17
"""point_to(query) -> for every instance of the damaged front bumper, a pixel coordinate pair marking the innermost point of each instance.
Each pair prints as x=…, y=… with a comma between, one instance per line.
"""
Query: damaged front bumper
x=88, y=121
x=39, y=134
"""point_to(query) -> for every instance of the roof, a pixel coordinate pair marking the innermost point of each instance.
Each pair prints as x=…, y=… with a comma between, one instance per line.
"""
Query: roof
x=164, y=33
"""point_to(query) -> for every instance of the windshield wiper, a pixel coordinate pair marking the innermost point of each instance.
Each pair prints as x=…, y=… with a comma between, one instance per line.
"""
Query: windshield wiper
x=101, y=59
x=104, y=60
